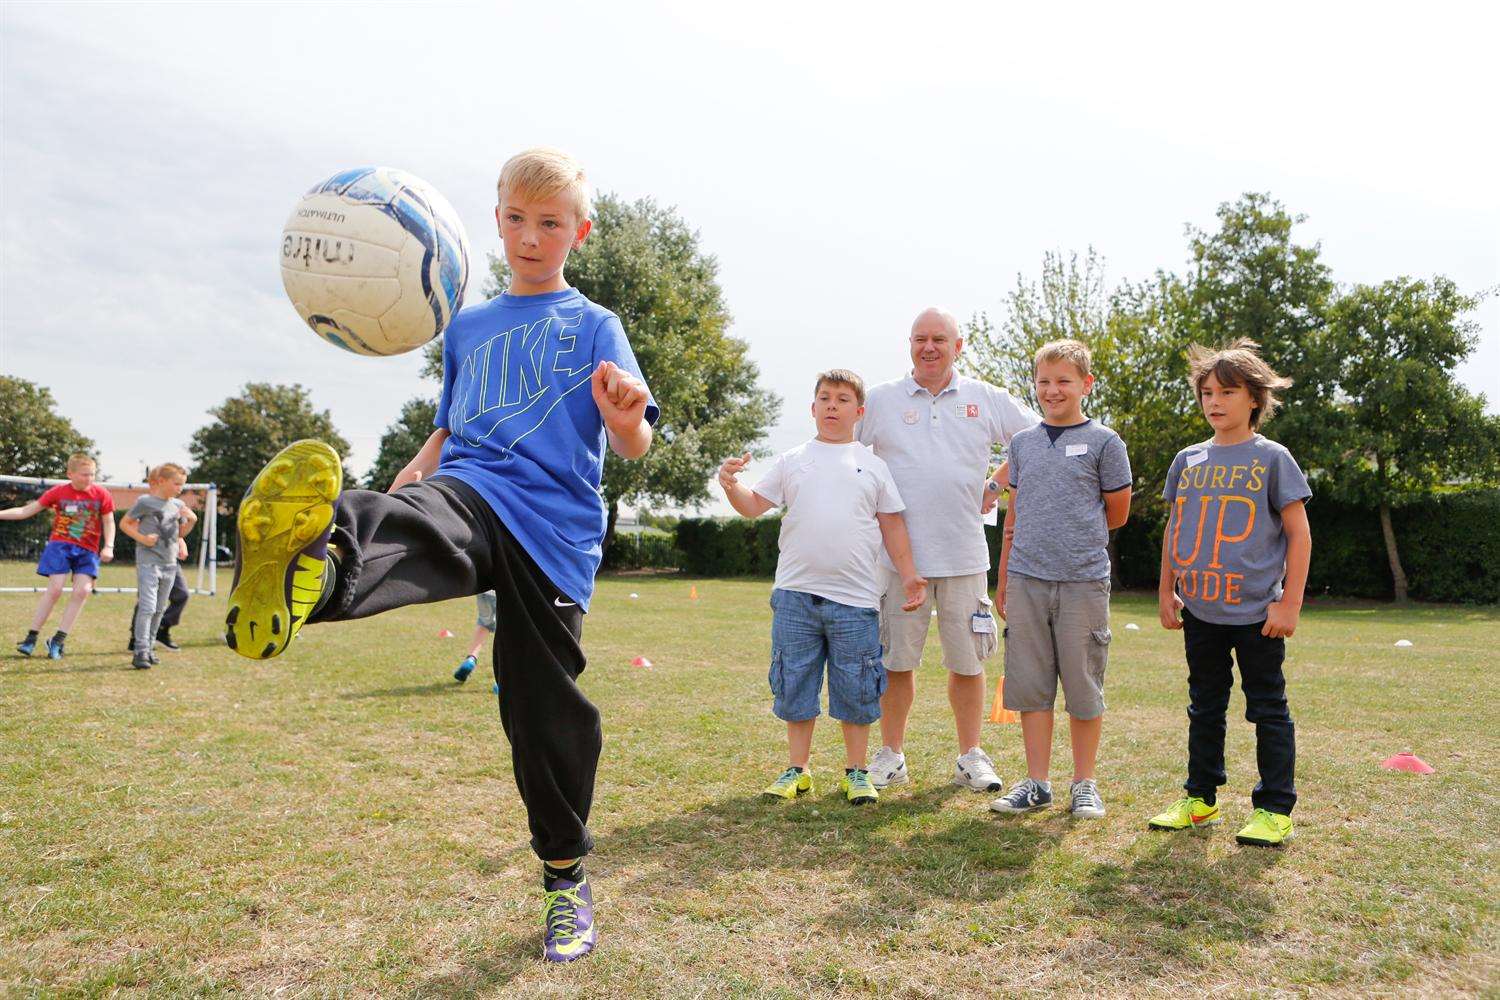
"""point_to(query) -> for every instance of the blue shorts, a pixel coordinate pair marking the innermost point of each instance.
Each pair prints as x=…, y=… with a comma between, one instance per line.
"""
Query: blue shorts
x=65, y=557
x=808, y=631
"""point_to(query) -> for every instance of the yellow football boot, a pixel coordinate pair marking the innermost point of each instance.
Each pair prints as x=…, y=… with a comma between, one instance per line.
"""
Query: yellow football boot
x=284, y=524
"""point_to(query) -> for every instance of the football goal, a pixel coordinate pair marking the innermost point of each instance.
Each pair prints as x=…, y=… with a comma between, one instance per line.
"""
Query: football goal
x=25, y=539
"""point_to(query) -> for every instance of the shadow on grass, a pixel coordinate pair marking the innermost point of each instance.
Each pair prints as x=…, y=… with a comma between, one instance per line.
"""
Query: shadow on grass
x=406, y=691
x=93, y=665
x=1172, y=904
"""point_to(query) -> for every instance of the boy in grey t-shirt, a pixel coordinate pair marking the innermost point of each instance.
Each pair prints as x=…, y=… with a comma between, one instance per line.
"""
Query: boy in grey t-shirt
x=1238, y=524
x=157, y=521
x=1071, y=481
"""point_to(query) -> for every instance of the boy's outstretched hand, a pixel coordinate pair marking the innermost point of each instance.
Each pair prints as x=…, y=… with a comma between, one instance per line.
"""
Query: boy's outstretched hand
x=620, y=396
x=916, y=592
x=1168, y=606
x=729, y=472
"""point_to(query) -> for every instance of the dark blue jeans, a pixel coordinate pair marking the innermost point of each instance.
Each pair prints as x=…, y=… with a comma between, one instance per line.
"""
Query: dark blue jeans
x=1210, y=678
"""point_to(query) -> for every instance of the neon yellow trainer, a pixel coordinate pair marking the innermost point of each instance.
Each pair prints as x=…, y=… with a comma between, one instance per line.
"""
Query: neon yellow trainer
x=1265, y=829
x=859, y=789
x=1188, y=813
x=284, y=526
x=791, y=784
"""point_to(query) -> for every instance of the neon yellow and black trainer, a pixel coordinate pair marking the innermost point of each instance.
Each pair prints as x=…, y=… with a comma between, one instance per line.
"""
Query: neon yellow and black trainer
x=1265, y=829
x=284, y=524
x=792, y=783
x=859, y=789
x=1188, y=813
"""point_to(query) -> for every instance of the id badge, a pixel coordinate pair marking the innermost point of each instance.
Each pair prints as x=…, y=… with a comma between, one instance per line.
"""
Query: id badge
x=982, y=623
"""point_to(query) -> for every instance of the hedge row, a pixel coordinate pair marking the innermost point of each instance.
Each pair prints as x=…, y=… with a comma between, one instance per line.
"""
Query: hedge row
x=1449, y=547
x=649, y=549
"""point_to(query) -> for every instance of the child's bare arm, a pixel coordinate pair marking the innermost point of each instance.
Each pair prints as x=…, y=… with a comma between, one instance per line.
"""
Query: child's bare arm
x=1167, y=602
x=898, y=545
x=424, y=463
x=622, y=398
x=1116, y=508
x=1281, y=617
x=107, y=538
x=1007, y=534
x=744, y=500
x=22, y=512
x=131, y=526
x=186, y=521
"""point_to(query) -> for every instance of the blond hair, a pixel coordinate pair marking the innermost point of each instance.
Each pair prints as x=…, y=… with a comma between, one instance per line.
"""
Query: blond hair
x=167, y=469
x=78, y=459
x=842, y=376
x=542, y=172
x=1239, y=364
x=1074, y=352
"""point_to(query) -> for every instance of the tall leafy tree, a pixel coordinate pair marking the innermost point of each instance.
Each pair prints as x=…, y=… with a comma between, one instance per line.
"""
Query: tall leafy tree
x=35, y=440
x=1251, y=278
x=646, y=264
x=401, y=441
x=1404, y=424
x=249, y=429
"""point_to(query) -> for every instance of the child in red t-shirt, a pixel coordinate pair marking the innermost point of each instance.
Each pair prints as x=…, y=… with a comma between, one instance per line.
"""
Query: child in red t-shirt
x=80, y=521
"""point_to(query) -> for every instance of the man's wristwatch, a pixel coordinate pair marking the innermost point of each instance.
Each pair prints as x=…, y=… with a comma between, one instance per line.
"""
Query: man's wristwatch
x=992, y=486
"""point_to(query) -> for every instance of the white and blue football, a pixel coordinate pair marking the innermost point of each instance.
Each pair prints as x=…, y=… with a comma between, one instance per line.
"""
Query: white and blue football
x=375, y=261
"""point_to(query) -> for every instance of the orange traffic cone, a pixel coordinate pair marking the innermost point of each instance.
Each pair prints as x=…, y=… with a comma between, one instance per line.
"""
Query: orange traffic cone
x=693, y=593
x=998, y=712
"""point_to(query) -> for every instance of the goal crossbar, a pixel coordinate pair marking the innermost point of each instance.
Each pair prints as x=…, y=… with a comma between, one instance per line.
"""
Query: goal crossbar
x=208, y=550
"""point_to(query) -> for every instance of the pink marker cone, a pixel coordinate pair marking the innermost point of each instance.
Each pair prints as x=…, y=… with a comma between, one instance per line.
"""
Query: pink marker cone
x=640, y=661
x=1407, y=761
x=445, y=634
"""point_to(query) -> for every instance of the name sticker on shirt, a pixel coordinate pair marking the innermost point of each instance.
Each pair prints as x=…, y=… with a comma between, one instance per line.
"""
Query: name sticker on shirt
x=969, y=410
x=1197, y=457
x=1074, y=450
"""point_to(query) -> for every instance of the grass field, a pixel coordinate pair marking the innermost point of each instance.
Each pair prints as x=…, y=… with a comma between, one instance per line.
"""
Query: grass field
x=343, y=821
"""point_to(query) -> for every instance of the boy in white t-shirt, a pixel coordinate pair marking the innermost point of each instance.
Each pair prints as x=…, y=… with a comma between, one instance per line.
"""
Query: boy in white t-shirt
x=841, y=504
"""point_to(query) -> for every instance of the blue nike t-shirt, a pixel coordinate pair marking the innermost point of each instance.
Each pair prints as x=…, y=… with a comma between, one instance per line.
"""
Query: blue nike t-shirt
x=523, y=428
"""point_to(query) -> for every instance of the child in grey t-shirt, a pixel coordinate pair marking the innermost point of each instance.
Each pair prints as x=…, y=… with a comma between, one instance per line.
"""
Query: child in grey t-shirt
x=1071, y=480
x=1234, y=564
x=156, y=521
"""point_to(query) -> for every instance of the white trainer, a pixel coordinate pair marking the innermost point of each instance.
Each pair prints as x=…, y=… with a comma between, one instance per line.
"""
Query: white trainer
x=888, y=768
x=1087, y=803
x=976, y=772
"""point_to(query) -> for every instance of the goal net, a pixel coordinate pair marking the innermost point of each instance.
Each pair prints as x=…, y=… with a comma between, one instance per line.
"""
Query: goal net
x=24, y=540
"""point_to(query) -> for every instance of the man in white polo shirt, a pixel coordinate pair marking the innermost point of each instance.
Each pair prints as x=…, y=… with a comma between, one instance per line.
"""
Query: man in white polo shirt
x=936, y=430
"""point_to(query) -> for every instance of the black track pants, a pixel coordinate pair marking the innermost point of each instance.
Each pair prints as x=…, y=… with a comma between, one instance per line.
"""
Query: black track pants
x=438, y=539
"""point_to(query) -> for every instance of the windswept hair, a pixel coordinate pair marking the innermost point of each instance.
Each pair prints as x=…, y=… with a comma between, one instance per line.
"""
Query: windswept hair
x=1239, y=364
x=842, y=376
x=79, y=459
x=166, y=470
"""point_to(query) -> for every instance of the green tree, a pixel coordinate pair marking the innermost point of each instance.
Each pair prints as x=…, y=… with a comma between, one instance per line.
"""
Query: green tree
x=1250, y=278
x=401, y=441
x=1138, y=339
x=1404, y=424
x=644, y=263
x=35, y=440
x=248, y=430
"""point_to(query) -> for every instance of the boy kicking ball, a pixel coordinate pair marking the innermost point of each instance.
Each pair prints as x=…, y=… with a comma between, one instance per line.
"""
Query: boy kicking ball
x=841, y=504
x=1238, y=525
x=503, y=496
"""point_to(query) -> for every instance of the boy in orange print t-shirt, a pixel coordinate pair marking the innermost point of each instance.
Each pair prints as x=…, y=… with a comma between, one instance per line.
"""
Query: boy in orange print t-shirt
x=1234, y=565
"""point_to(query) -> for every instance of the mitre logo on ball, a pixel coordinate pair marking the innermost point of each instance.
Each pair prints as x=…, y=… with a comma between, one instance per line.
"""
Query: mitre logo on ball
x=375, y=261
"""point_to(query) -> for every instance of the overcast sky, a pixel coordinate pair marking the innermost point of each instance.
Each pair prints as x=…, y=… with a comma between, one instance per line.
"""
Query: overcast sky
x=848, y=164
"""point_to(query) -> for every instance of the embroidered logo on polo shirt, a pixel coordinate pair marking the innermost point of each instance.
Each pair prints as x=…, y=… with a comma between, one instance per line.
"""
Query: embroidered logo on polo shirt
x=911, y=416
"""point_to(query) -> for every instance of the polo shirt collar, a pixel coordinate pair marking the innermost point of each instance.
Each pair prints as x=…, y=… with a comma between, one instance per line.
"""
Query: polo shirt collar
x=913, y=387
